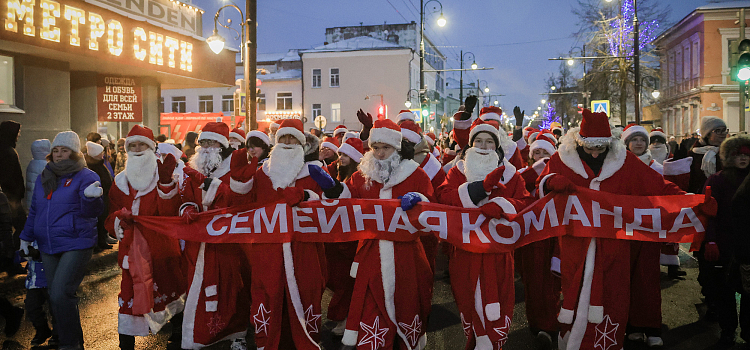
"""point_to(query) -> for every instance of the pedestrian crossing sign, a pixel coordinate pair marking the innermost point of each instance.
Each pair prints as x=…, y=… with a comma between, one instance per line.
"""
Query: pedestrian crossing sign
x=599, y=106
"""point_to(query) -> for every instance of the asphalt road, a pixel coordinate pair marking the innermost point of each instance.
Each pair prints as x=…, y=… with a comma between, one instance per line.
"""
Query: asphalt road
x=681, y=306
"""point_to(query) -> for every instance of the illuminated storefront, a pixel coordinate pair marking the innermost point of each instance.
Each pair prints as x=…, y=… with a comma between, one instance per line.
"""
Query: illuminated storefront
x=99, y=65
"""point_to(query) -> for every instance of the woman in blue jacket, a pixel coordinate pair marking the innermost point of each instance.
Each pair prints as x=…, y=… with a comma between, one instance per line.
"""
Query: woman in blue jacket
x=62, y=220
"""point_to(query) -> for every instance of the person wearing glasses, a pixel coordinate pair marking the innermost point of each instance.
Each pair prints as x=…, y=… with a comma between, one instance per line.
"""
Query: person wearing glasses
x=705, y=152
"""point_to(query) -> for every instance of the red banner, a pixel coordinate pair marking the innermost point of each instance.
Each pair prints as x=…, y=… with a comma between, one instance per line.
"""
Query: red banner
x=585, y=213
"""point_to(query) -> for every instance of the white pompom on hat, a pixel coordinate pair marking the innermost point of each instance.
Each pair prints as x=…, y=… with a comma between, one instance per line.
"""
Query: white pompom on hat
x=385, y=131
x=94, y=149
x=68, y=139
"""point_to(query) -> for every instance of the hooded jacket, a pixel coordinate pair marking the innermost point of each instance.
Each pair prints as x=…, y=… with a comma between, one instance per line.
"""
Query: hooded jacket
x=39, y=151
x=11, y=176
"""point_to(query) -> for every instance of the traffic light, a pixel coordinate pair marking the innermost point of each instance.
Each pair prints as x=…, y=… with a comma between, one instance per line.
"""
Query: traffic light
x=743, y=60
x=425, y=110
x=381, y=112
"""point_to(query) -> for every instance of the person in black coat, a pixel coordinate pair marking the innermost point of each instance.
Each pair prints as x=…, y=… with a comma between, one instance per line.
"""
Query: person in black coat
x=95, y=162
x=11, y=175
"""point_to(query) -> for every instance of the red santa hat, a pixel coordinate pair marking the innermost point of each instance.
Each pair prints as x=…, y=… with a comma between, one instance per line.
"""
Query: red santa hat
x=331, y=143
x=490, y=126
x=594, y=130
x=352, y=147
x=548, y=135
x=261, y=135
x=491, y=113
x=528, y=131
x=339, y=129
x=292, y=127
x=544, y=144
x=631, y=131
x=350, y=134
x=657, y=132
x=385, y=131
x=216, y=131
x=430, y=137
x=404, y=114
x=94, y=149
x=238, y=134
x=411, y=131
x=142, y=134
x=274, y=125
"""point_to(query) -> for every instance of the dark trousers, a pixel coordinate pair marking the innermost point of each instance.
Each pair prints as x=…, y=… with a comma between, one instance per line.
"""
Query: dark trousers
x=64, y=273
x=35, y=299
x=722, y=281
x=6, y=309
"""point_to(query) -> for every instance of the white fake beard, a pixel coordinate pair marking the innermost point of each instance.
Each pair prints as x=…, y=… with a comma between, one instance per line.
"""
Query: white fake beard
x=140, y=169
x=479, y=163
x=660, y=152
x=378, y=170
x=284, y=163
x=206, y=159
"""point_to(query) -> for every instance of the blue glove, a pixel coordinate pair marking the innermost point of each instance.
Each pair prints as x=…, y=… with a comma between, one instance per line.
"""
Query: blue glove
x=324, y=180
x=409, y=200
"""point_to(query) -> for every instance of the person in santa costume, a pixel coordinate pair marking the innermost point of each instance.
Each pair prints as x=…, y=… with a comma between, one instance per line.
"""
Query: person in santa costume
x=484, y=179
x=636, y=139
x=393, y=280
x=258, y=146
x=339, y=131
x=340, y=256
x=657, y=144
x=434, y=149
x=329, y=149
x=237, y=138
x=596, y=272
x=287, y=277
x=147, y=300
x=510, y=148
x=216, y=307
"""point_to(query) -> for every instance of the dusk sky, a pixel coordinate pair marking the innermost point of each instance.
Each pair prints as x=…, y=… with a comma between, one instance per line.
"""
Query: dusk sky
x=515, y=37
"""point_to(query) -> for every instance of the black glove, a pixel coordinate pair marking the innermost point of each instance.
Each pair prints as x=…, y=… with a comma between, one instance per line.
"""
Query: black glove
x=476, y=191
x=367, y=121
x=519, y=115
x=469, y=104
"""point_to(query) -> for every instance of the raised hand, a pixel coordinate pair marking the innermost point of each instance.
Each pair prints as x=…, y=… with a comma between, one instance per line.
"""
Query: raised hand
x=166, y=168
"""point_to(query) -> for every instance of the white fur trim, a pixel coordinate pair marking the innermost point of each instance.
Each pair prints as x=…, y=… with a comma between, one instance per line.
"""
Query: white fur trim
x=521, y=143
x=505, y=205
x=565, y=316
x=541, y=184
x=545, y=145
x=237, y=136
x=483, y=343
x=668, y=259
x=492, y=311
x=339, y=131
x=411, y=135
x=140, y=138
x=353, y=270
x=677, y=167
x=211, y=290
x=157, y=320
x=241, y=187
x=658, y=167
x=312, y=196
x=169, y=194
x=581, y=320
x=293, y=289
x=463, y=194
x=327, y=144
x=350, y=337
x=432, y=166
x=299, y=135
x=132, y=325
x=261, y=135
x=486, y=128
x=478, y=300
x=658, y=133
x=540, y=165
x=350, y=151
x=305, y=171
x=210, y=135
x=119, y=232
x=463, y=124
x=632, y=131
x=401, y=173
x=596, y=314
x=191, y=303
x=593, y=141
x=429, y=140
x=612, y=163
x=212, y=306
x=555, y=265
x=404, y=116
x=385, y=135
x=207, y=197
x=388, y=273
x=125, y=263
x=491, y=116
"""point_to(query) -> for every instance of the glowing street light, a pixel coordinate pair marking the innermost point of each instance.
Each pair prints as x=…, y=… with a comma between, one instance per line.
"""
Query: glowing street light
x=215, y=42
x=441, y=20
x=544, y=101
x=407, y=104
x=571, y=62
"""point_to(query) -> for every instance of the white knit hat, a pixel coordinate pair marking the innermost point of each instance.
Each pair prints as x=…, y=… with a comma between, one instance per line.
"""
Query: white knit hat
x=68, y=139
x=94, y=149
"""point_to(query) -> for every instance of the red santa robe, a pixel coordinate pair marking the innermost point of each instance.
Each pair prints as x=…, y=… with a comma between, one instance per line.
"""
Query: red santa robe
x=596, y=272
x=167, y=284
x=536, y=262
x=482, y=283
x=287, y=276
x=434, y=171
x=393, y=280
x=217, y=306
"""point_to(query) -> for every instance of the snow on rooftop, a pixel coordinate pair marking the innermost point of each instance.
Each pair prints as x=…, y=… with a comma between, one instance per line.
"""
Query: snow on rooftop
x=725, y=5
x=355, y=44
x=290, y=74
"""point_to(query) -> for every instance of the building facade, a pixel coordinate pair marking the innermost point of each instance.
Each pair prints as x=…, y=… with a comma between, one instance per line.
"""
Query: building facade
x=695, y=67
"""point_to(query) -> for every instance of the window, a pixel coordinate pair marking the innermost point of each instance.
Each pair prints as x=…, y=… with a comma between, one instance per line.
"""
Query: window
x=206, y=104
x=334, y=77
x=335, y=112
x=178, y=104
x=283, y=101
x=261, y=102
x=316, y=78
x=316, y=110
x=161, y=104
x=6, y=81
x=227, y=103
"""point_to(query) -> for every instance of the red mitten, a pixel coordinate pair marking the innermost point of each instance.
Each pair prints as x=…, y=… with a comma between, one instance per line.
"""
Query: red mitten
x=492, y=210
x=492, y=180
x=559, y=183
x=711, y=252
x=126, y=218
x=240, y=169
x=189, y=214
x=292, y=195
x=709, y=205
x=166, y=168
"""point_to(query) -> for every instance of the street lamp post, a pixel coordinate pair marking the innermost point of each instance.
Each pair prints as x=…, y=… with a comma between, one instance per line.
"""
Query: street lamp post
x=249, y=49
x=408, y=103
x=440, y=21
x=461, y=80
